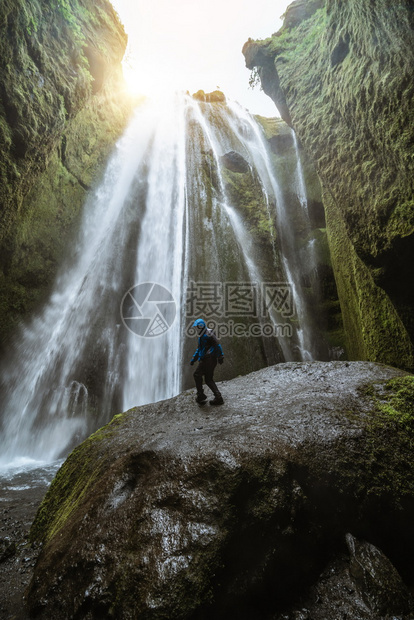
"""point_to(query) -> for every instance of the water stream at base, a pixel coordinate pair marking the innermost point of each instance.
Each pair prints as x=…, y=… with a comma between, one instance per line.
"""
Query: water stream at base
x=75, y=365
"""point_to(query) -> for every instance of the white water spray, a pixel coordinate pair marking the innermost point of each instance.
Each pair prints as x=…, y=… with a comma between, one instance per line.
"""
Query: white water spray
x=153, y=369
x=219, y=143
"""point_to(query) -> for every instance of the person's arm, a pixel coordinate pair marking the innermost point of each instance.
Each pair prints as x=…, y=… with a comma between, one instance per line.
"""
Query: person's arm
x=195, y=356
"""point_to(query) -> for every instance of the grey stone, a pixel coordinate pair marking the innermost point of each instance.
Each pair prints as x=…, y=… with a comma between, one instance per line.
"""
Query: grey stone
x=175, y=511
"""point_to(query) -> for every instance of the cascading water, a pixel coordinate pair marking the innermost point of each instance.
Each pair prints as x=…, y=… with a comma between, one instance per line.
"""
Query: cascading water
x=160, y=216
x=252, y=141
x=310, y=257
x=49, y=376
x=153, y=368
x=219, y=142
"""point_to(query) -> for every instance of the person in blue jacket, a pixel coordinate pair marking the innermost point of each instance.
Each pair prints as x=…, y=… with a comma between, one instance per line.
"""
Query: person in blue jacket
x=208, y=353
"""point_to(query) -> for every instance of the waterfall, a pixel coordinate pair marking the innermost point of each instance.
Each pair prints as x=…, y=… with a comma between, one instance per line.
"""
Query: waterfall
x=45, y=399
x=219, y=142
x=310, y=255
x=153, y=369
x=115, y=331
x=252, y=139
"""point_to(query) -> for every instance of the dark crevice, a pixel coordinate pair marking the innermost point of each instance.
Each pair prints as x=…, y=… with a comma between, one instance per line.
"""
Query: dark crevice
x=340, y=51
x=63, y=145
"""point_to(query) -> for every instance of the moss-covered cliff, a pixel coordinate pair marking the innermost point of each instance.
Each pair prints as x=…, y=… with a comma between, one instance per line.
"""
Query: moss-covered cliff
x=62, y=107
x=341, y=74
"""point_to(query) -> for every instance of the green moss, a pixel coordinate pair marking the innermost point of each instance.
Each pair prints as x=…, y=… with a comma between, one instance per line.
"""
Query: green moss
x=245, y=193
x=391, y=435
x=73, y=482
x=67, y=491
x=271, y=126
x=349, y=99
x=375, y=466
x=287, y=44
x=401, y=222
x=373, y=328
x=398, y=407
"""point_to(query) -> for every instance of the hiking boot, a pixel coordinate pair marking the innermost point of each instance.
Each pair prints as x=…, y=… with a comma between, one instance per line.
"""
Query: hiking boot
x=201, y=398
x=217, y=400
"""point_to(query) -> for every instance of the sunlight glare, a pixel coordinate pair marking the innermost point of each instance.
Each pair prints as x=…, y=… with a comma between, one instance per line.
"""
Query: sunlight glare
x=192, y=45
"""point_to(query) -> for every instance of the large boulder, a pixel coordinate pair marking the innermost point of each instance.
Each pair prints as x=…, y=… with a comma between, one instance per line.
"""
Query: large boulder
x=178, y=511
x=361, y=583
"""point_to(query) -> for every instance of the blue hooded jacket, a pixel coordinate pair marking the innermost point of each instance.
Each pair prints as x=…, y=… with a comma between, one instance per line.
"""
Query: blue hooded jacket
x=208, y=345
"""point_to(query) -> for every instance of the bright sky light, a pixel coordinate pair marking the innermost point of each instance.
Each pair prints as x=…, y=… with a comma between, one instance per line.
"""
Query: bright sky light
x=196, y=44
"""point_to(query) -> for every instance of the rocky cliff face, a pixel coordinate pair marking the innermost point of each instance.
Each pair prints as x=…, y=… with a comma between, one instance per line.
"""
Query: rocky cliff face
x=341, y=74
x=61, y=109
x=284, y=503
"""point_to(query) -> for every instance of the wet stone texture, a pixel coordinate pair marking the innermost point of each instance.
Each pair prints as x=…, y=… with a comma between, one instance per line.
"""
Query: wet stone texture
x=294, y=500
x=17, y=557
x=21, y=492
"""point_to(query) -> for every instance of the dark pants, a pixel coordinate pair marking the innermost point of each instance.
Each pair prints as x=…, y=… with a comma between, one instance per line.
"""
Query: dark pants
x=205, y=369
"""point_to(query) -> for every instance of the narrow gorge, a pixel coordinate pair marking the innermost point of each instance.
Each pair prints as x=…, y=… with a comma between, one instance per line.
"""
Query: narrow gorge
x=126, y=218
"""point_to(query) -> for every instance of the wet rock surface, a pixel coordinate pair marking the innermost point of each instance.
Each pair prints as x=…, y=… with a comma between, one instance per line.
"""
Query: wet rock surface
x=359, y=585
x=21, y=492
x=214, y=97
x=235, y=162
x=285, y=502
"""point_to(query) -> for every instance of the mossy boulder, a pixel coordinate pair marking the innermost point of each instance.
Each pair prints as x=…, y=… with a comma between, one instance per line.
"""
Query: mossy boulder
x=63, y=106
x=342, y=77
x=179, y=511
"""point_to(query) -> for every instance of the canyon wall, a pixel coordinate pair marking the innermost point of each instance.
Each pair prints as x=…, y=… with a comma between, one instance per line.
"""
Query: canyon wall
x=62, y=107
x=341, y=74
